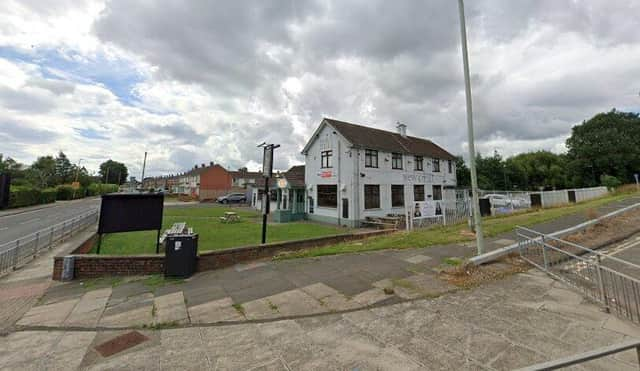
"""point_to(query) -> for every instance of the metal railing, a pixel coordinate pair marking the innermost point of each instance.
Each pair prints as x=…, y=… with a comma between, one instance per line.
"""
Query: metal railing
x=599, y=276
x=16, y=253
x=587, y=356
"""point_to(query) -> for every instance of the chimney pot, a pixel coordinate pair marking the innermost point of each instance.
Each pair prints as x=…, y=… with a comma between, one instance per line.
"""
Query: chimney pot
x=402, y=129
x=210, y=163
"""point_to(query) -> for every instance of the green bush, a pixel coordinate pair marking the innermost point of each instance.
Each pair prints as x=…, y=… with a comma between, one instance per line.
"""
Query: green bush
x=611, y=182
x=97, y=189
x=66, y=192
x=48, y=195
x=24, y=196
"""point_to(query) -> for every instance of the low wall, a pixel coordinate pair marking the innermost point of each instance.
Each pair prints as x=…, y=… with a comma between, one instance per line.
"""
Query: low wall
x=93, y=266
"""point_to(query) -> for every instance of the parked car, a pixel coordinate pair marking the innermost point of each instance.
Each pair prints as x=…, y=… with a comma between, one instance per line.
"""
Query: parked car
x=231, y=198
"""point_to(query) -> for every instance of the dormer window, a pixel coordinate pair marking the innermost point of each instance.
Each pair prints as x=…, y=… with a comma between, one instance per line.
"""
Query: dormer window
x=396, y=161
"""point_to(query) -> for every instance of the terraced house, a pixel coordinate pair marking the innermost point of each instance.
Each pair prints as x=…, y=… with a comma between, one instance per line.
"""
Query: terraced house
x=353, y=172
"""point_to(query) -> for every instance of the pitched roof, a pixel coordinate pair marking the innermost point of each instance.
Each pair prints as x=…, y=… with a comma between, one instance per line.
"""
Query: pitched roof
x=246, y=174
x=382, y=140
x=294, y=176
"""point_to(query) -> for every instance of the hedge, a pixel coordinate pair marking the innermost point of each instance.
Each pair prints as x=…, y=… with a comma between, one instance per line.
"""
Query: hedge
x=21, y=196
x=27, y=196
x=96, y=189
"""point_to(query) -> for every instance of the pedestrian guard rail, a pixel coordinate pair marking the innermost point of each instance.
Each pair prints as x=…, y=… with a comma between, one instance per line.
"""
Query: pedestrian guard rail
x=16, y=253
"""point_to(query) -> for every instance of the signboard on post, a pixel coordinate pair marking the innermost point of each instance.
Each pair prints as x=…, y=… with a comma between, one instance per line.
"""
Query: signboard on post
x=128, y=212
x=267, y=162
x=75, y=185
x=5, y=185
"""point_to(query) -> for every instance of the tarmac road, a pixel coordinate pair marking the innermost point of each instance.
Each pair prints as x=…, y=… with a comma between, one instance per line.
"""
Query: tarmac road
x=19, y=225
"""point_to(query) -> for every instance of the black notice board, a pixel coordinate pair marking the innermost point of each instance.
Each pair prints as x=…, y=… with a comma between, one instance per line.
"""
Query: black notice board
x=5, y=186
x=128, y=212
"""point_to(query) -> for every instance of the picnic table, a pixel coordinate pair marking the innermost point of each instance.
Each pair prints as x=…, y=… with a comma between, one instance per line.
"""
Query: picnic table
x=230, y=217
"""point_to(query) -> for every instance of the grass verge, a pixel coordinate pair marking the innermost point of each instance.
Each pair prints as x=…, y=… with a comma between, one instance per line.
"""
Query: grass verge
x=212, y=233
x=450, y=234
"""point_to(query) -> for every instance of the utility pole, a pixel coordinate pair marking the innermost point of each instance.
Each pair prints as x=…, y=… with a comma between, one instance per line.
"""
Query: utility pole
x=76, y=179
x=477, y=218
x=144, y=164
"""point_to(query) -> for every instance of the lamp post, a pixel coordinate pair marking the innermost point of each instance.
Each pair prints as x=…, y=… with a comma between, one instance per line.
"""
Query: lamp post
x=75, y=182
x=472, y=149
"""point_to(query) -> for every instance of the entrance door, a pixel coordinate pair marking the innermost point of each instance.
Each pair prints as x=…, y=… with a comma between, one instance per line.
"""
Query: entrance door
x=345, y=208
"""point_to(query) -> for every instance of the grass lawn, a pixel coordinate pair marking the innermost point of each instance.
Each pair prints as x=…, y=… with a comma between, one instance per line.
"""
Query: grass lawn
x=493, y=226
x=212, y=234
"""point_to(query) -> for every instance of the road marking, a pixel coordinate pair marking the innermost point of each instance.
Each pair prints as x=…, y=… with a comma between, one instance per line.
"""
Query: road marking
x=4, y=228
x=30, y=221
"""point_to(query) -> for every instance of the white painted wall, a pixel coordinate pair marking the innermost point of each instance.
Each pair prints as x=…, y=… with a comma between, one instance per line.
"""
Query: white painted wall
x=350, y=174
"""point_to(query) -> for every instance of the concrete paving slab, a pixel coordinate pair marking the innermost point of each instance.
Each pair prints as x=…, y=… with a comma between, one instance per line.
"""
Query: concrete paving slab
x=220, y=310
x=183, y=349
x=202, y=294
x=260, y=290
x=48, y=315
x=170, y=309
x=295, y=303
x=260, y=309
x=237, y=347
x=371, y=297
x=417, y=259
x=130, y=303
x=89, y=309
x=135, y=317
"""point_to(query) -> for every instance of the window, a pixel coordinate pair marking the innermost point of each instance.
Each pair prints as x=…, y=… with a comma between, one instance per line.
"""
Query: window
x=310, y=205
x=419, y=163
x=397, y=196
x=450, y=166
x=418, y=192
x=437, y=192
x=371, y=196
x=325, y=157
x=436, y=165
x=396, y=161
x=370, y=158
x=327, y=195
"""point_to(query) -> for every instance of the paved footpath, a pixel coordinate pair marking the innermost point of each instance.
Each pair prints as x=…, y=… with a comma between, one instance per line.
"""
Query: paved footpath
x=369, y=310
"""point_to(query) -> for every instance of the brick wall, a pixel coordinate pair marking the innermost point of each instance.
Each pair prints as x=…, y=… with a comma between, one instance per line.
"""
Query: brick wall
x=92, y=266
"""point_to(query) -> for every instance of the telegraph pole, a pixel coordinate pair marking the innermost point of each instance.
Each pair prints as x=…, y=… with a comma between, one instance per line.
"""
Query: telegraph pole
x=144, y=164
x=472, y=149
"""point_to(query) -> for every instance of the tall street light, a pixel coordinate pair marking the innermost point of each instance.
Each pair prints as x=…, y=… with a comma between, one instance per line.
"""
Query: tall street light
x=472, y=148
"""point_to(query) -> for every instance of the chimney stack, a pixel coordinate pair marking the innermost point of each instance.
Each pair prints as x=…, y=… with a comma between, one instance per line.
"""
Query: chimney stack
x=210, y=163
x=402, y=129
x=203, y=165
x=196, y=166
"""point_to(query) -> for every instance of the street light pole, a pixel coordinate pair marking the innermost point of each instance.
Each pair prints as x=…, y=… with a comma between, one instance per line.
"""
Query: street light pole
x=76, y=180
x=472, y=149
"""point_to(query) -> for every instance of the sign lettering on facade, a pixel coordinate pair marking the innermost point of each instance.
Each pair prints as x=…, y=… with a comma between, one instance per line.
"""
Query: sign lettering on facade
x=325, y=174
x=417, y=178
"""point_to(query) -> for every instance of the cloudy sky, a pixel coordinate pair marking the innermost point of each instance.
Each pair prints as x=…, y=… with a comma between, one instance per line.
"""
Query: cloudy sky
x=199, y=81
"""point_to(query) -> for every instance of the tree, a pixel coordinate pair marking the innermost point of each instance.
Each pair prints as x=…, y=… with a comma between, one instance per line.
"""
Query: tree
x=491, y=173
x=463, y=175
x=42, y=172
x=608, y=143
x=65, y=171
x=540, y=169
x=14, y=169
x=113, y=172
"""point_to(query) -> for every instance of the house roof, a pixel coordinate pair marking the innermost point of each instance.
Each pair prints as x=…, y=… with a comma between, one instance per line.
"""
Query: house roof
x=246, y=174
x=387, y=141
x=294, y=176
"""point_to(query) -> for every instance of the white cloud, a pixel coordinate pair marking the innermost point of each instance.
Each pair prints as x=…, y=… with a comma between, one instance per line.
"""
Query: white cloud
x=209, y=81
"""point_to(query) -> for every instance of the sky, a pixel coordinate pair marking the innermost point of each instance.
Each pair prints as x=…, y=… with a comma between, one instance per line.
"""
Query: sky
x=200, y=81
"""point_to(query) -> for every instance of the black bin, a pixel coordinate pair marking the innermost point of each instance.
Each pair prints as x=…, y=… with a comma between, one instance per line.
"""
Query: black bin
x=485, y=207
x=181, y=255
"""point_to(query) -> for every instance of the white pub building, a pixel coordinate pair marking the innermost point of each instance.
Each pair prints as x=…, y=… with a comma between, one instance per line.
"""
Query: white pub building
x=353, y=172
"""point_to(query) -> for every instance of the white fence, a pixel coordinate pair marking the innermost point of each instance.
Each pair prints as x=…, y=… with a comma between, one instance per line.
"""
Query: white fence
x=456, y=205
